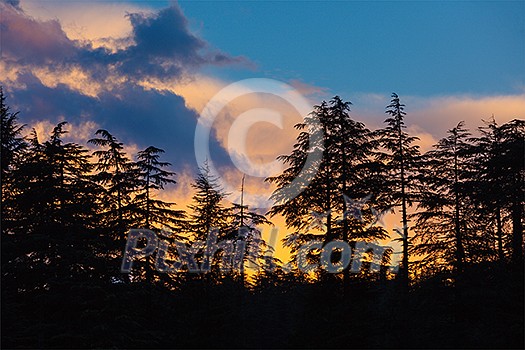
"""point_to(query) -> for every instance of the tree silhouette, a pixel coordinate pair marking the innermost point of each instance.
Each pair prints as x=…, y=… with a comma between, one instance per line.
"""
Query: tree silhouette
x=12, y=149
x=497, y=185
x=57, y=210
x=153, y=213
x=341, y=178
x=512, y=158
x=244, y=228
x=444, y=221
x=12, y=141
x=209, y=216
x=118, y=174
x=400, y=157
x=65, y=213
x=486, y=188
x=208, y=210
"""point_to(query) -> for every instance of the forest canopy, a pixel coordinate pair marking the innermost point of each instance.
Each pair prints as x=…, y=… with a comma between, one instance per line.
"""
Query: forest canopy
x=67, y=209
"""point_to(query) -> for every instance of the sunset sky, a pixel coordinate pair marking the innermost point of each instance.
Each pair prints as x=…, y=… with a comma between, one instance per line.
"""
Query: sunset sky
x=145, y=69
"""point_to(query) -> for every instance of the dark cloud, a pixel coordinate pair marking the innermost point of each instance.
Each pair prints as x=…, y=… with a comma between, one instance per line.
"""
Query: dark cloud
x=165, y=34
x=13, y=3
x=134, y=115
x=163, y=48
x=38, y=102
x=31, y=42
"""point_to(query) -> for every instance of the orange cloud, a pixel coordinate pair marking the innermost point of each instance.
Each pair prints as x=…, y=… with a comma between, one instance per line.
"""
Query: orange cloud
x=103, y=24
x=426, y=140
x=196, y=90
x=73, y=77
x=431, y=117
x=437, y=115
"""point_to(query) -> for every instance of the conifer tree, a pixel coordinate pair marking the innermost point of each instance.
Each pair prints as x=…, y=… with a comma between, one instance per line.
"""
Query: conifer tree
x=486, y=190
x=209, y=216
x=208, y=210
x=155, y=213
x=13, y=145
x=245, y=229
x=341, y=177
x=400, y=158
x=500, y=189
x=444, y=221
x=56, y=201
x=511, y=156
x=152, y=213
x=118, y=174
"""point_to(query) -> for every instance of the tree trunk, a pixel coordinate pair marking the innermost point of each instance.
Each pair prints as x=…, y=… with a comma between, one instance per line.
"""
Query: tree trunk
x=460, y=253
x=517, y=232
x=404, y=270
x=499, y=234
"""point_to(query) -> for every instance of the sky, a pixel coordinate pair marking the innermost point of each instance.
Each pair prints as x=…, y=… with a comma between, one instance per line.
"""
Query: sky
x=416, y=47
x=145, y=70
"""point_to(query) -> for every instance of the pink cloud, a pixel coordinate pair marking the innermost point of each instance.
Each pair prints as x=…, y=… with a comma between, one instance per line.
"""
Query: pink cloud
x=28, y=40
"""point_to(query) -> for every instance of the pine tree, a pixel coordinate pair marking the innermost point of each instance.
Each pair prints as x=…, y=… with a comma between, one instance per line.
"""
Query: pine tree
x=208, y=210
x=486, y=190
x=210, y=216
x=341, y=175
x=498, y=187
x=512, y=158
x=444, y=221
x=55, y=238
x=118, y=174
x=155, y=214
x=244, y=228
x=400, y=158
x=13, y=145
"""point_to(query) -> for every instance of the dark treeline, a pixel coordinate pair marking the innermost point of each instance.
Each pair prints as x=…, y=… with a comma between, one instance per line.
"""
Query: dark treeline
x=66, y=211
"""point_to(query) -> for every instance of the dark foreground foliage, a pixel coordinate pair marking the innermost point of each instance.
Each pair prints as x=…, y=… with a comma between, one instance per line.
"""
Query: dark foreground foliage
x=485, y=312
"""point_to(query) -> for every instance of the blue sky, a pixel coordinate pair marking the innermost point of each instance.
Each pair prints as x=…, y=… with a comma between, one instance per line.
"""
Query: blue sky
x=413, y=47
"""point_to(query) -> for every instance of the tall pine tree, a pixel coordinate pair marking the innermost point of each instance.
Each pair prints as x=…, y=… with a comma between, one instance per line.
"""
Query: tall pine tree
x=444, y=219
x=400, y=159
x=118, y=174
x=342, y=177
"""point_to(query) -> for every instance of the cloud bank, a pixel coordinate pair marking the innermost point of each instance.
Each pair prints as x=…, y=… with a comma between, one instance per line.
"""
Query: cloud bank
x=51, y=76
